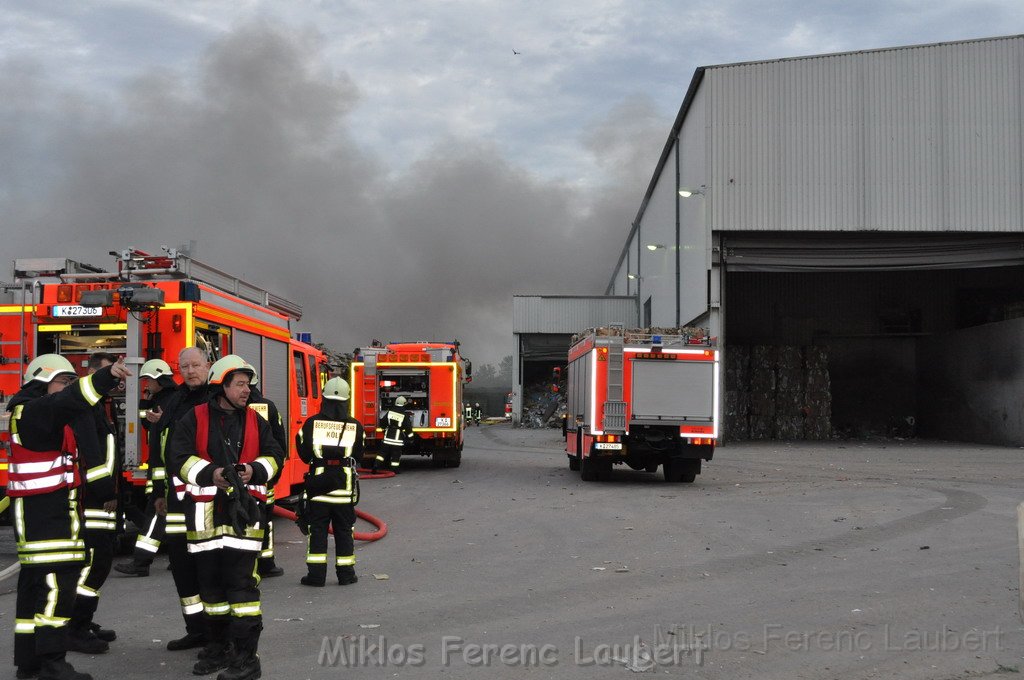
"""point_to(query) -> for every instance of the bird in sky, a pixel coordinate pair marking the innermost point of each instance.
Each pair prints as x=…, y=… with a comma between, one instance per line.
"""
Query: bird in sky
x=514, y=51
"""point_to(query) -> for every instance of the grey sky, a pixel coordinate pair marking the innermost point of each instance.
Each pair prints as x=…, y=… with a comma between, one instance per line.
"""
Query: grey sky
x=394, y=167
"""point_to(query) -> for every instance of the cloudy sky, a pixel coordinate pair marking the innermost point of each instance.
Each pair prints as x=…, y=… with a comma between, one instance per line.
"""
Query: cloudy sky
x=400, y=169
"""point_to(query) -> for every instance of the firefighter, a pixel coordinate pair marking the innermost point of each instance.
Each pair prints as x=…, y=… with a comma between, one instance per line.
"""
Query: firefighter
x=397, y=426
x=194, y=367
x=97, y=455
x=468, y=410
x=476, y=414
x=331, y=442
x=268, y=410
x=160, y=387
x=226, y=454
x=43, y=486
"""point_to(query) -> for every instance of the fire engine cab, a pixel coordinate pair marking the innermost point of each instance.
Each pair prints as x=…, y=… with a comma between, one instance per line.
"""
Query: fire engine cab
x=151, y=307
x=430, y=376
x=641, y=399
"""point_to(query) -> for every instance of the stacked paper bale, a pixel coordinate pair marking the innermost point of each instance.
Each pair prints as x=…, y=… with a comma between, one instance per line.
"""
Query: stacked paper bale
x=817, y=394
x=737, y=394
x=762, y=391
x=789, y=393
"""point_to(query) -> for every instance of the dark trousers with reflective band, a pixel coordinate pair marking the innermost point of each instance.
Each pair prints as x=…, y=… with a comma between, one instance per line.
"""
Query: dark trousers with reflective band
x=51, y=553
x=341, y=517
x=185, y=572
x=229, y=588
x=391, y=454
x=46, y=598
x=153, y=533
x=267, y=553
x=99, y=545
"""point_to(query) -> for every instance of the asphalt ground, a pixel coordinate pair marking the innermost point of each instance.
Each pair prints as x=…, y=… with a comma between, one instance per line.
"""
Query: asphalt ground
x=878, y=559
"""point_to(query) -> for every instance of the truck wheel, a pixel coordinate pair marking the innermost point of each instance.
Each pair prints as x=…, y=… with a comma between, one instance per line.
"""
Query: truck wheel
x=454, y=460
x=681, y=471
x=574, y=463
x=437, y=459
x=589, y=471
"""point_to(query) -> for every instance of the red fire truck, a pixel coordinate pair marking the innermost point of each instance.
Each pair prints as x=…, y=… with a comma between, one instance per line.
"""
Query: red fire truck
x=644, y=400
x=151, y=307
x=430, y=375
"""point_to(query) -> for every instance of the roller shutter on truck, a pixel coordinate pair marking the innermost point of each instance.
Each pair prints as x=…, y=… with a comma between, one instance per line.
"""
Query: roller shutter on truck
x=673, y=390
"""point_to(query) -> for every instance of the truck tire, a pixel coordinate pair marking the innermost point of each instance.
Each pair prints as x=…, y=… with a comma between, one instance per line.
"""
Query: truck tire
x=589, y=470
x=681, y=471
x=454, y=459
x=574, y=463
x=437, y=459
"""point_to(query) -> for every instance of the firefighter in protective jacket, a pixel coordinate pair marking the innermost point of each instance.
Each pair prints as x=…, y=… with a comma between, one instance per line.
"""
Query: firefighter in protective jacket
x=331, y=442
x=397, y=426
x=97, y=451
x=43, y=483
x=226, y=453
x=154, y=414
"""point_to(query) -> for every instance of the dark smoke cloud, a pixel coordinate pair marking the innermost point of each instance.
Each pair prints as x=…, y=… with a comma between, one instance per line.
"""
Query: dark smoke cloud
x=252, y=156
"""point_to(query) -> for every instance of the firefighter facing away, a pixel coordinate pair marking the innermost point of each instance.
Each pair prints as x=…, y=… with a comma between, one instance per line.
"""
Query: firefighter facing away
x=397, y=426
x=43, y=485
x=226, y=454
x=331, y=442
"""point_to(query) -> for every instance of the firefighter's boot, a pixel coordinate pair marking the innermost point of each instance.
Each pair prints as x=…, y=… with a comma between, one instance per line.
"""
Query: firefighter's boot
x=215, y=656
x=317, y=575
x=81, y=639
x=132, y=568
x=102, y=633
x=268, y=568
x=57, y=668
x=25, y=672
x=245, y=662
x=346, y=575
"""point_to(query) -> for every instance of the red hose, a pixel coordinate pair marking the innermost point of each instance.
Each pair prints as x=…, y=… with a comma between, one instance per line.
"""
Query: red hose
x=382, y=526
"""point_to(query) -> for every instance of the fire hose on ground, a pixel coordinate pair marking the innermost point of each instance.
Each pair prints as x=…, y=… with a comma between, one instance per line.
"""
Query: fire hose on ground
x=382, y=526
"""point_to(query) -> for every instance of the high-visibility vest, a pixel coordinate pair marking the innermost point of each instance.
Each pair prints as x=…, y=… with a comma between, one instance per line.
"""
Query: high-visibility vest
x=32, y=473
x=250, y=452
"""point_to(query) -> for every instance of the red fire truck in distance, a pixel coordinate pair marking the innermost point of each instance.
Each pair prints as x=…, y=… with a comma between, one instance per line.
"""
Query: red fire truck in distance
x=151, y=307
x=430, y=375
x=641, y=399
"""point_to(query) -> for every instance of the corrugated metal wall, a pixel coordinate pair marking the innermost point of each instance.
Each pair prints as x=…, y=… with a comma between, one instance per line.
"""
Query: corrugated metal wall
x=569, y=314
x=910, y=139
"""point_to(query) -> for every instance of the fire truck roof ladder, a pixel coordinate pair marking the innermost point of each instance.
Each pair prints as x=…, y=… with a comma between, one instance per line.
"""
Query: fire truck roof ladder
x=614, y=408
x=369, y=386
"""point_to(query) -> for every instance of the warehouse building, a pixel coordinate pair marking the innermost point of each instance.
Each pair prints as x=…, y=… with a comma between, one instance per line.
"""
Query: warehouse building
x=543, y=326
x=851, y=227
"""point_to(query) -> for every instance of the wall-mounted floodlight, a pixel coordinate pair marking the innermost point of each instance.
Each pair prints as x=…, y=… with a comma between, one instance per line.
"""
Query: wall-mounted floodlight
x=686, y=192
x=655, y=246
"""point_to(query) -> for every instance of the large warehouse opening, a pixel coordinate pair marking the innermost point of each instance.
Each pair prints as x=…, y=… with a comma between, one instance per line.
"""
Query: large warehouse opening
x=852, y=338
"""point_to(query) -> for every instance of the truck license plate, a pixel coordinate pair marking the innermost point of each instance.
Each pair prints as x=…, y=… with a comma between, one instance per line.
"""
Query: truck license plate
x=442, y=422
x=76, y=310
x=608, y=446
